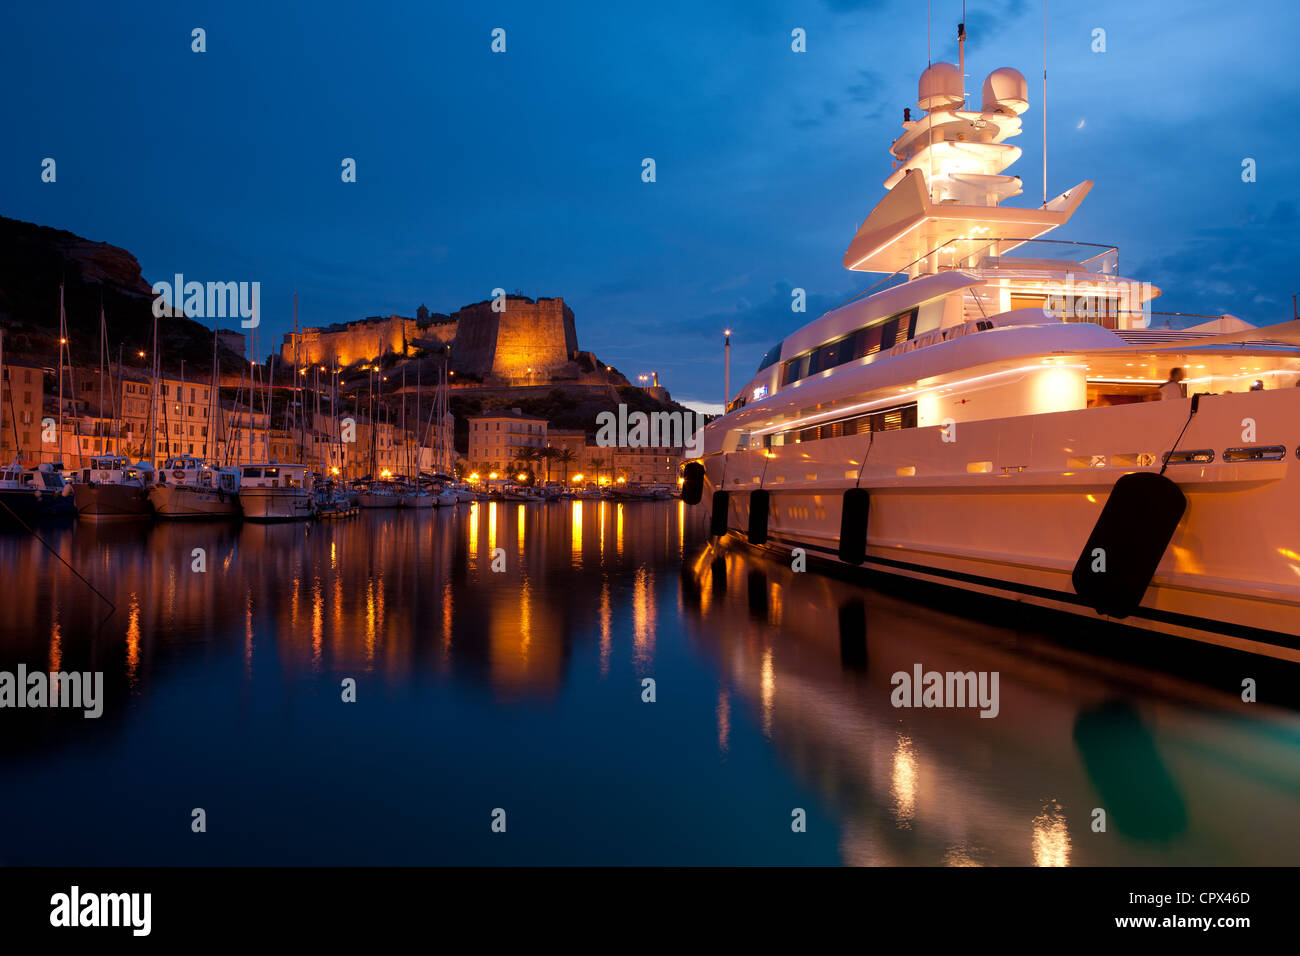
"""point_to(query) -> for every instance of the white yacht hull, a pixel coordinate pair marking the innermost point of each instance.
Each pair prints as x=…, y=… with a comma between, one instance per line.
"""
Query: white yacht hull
x=188, y=501
x=1006, y=508
x=275, y=504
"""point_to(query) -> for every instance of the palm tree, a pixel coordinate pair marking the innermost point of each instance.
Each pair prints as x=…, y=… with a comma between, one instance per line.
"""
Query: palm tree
x=548, y=455
x=597, y=464
x=528, y=457
x=565, y=456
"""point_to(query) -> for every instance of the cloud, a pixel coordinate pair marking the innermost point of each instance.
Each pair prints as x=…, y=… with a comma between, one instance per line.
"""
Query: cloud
x=1242, y=269
x=762, y=322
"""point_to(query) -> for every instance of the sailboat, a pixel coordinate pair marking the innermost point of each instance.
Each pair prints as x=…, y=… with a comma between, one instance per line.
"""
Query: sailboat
x=413, y=492
x=110, y=487
x=189, y=487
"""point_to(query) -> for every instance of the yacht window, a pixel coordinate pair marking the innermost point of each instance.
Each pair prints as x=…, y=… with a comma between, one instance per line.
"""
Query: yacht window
x=857, y=344
x=770, y=358
x=252, y=472
x=889, y=419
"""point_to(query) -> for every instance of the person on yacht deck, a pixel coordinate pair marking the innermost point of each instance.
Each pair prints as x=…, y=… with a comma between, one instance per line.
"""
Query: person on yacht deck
x=1174, y=388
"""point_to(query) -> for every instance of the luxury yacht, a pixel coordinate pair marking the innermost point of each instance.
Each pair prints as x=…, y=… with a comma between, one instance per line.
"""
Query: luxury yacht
x=1005, y=414
x=187, y=487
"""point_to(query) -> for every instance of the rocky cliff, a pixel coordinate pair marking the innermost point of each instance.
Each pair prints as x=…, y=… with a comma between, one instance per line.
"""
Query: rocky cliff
x=35, y=259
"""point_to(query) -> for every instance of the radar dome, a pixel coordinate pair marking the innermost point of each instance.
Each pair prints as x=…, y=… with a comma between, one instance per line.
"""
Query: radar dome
x=1005, y=91
x=940, y=87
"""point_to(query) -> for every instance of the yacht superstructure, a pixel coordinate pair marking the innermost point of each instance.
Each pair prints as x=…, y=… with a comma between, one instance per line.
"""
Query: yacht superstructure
x=1005, y=414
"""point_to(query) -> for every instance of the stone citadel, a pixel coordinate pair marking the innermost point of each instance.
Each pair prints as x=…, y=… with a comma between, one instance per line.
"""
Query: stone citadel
x=530, y=341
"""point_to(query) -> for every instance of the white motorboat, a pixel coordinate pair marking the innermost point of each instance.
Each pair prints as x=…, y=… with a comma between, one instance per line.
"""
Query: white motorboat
x=113, y=488
x=275, y=492
x=1010, y=420
x=19, y=504
x=413, y=496
x=380, y=494
x=187, y=487
x=53, y=490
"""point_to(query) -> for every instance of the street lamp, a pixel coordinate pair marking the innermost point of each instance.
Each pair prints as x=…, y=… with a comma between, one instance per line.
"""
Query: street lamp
x=726, y=369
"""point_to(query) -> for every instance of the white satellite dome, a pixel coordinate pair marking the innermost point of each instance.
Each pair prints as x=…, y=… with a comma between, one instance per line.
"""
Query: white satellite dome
x=1005, y=91
x=940, y=87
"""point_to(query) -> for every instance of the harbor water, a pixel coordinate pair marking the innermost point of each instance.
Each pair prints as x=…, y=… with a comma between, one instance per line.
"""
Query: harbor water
x=603, y=684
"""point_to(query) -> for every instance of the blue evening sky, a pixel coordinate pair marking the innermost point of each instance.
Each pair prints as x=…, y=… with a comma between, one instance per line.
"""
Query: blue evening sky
x=523, y=170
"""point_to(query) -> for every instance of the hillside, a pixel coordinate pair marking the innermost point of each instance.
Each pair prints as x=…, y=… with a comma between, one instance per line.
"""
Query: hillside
x=35, y=259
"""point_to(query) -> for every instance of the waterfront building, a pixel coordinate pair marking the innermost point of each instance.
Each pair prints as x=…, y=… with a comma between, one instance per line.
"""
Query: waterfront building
x=646, y=466
x=181, y=416
x=498, y=438
x=22, y=399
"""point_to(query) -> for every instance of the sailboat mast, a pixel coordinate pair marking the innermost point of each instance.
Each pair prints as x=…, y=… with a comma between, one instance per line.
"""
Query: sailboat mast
x=300, y=413
x=270, y=401
x=336, y=436
x=103, y=341
x=208, y=435
x=154, y=399
x=12, y=420
x=63, y=338
x=117, y=411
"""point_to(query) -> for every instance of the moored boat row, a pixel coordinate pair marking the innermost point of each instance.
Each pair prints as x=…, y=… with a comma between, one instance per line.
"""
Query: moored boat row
x=112, y=487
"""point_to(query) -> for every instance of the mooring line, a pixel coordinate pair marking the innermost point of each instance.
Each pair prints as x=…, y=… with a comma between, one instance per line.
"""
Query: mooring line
x=32, y=531
x=1196, y=401
x=871, y=442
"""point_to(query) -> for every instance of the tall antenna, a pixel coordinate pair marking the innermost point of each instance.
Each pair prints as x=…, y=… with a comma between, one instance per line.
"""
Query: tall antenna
x=928, y=58
x=961, y=53
x=1044, y=104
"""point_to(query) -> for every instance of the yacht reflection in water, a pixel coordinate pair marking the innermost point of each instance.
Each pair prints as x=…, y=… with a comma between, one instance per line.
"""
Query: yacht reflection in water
x=1185, y=774
x=499, y=651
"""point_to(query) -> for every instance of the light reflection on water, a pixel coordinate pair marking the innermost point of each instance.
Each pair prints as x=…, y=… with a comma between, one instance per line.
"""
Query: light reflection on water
x=522, y=689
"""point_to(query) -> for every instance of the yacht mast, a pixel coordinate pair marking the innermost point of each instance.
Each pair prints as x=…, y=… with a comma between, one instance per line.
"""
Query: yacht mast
x=1044, y=120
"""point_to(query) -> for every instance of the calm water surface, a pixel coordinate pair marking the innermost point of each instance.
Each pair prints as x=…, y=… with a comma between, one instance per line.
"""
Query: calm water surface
x=522, y=690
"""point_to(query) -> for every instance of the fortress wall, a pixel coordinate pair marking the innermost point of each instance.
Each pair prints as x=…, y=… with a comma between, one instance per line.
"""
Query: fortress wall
x=538, y=336
x=357, y=342
x=476, y=339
